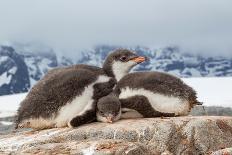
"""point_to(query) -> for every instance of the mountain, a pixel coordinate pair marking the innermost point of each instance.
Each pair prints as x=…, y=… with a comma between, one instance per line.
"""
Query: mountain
x=13, y=72
x=21, y=66
x=169, y=59
x=39, y=63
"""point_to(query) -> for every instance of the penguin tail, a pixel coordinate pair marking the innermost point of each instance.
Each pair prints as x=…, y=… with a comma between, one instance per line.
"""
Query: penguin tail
x=199, y=103
x=195, y=103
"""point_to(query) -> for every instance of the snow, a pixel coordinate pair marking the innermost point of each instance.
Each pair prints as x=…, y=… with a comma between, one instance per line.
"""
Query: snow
x=5, y=78
x=3, y=59
x=6, y=123
x=37, y=67
x=212, y=91
x=12, y=70
x=192, y=71
x=10, y=103
x=6, y=113
x=33, y=81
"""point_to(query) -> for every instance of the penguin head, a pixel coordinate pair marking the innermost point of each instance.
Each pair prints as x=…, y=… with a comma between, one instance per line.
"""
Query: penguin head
x=108, y=109
x=120, y=62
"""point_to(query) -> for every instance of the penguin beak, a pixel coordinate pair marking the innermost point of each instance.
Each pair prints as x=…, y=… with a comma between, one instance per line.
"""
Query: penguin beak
x=139, y=59
x=109, y=119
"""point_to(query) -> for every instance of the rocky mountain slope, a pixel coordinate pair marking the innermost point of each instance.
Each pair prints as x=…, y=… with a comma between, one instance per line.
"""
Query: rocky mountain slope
x=21, y=67
x=169, y=59
x=14, y=75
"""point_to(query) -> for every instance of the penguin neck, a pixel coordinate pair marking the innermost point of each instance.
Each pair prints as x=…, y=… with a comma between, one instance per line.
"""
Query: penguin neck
x=118, y=74
x=116, y=70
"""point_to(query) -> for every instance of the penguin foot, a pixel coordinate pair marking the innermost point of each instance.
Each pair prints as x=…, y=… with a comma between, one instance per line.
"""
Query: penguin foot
x=75, y=122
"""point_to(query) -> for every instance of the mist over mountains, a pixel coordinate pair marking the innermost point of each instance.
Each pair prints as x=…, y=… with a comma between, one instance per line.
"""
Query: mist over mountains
x=22, y=67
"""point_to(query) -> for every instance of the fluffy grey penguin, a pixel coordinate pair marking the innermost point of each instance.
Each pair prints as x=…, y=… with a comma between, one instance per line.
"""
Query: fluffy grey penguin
x=67, y=96
x=147, y=94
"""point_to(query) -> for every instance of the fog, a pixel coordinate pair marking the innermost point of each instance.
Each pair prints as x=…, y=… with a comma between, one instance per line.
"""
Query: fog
x=200, y=26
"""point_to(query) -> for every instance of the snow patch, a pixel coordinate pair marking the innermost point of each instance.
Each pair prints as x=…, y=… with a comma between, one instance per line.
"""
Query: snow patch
x=6, y=123
x=214, y=91
x=5, y=78
x=10, y=103
x=3, y=59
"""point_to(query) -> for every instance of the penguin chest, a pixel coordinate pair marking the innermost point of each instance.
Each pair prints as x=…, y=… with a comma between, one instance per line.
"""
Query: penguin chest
x=79, y=105
x=160, y=102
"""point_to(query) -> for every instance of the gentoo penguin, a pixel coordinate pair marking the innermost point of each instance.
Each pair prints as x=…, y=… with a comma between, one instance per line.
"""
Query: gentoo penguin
x=147, y=94
x=67, y=96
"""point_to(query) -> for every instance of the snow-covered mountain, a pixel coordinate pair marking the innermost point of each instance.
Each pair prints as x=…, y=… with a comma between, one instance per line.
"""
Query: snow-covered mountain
x=14, y=76
x=169, y=59
x=39, y=63
x=21, y=66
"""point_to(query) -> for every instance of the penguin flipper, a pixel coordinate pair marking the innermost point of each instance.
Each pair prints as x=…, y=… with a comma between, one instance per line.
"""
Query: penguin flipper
x=88, y=117
x=104, y=88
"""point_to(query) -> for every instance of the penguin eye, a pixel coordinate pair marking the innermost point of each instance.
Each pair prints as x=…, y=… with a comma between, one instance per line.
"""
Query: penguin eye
x=123, y=58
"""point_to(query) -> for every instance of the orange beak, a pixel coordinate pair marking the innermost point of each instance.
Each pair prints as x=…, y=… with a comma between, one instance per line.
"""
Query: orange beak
x=139, y=59
x=109, y=119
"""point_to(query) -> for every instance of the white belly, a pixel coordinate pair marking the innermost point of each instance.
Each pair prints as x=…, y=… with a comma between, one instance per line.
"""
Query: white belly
x=79, y=105
x=160, y=102
x=76, y=107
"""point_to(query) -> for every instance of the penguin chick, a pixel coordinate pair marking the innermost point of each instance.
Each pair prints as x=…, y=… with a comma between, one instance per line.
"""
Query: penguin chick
x=108, y=109
x=162, y=92
x=67, y=96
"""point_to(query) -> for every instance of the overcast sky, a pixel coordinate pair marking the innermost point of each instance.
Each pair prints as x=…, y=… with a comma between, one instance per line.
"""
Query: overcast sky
x=195, y=25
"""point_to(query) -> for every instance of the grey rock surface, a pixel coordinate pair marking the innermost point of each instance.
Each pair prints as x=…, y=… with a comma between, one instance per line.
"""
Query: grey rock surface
x=177, y=135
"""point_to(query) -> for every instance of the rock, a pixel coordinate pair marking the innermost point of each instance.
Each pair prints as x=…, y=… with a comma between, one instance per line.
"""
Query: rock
x=177, y=135
x=226, y=151
x=5, y=129
x=211, y=111
x=6, y=124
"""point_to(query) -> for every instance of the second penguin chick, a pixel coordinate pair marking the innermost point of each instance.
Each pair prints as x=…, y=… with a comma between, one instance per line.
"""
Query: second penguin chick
x=151, y=94
x=108, y=109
